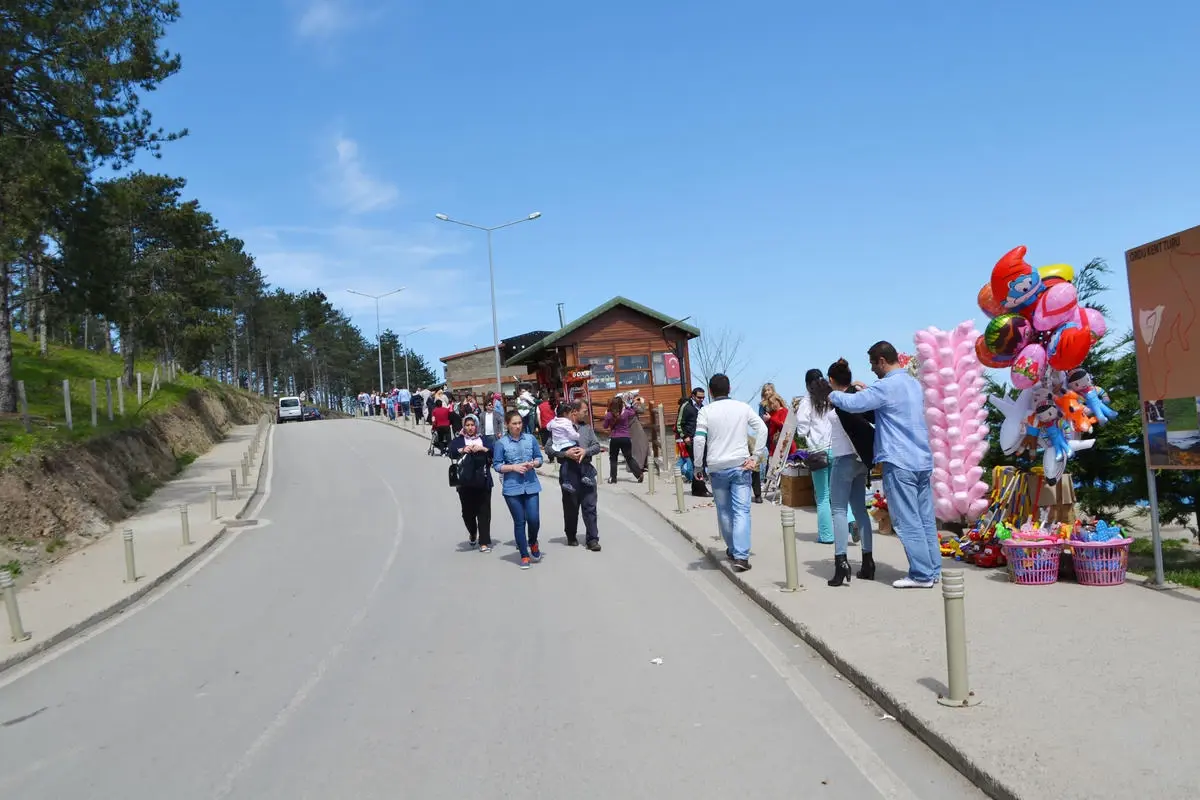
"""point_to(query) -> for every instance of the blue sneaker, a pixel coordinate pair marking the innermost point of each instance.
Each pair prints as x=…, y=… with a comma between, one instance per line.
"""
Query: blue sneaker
x=535, y=553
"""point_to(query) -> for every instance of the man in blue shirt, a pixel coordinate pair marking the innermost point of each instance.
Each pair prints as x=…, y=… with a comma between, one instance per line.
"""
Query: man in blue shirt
x=902, y=447
x=404, y=396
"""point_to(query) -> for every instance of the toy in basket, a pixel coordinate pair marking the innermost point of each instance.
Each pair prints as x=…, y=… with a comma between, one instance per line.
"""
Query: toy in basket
x=1100, y=554
x=1033, y=555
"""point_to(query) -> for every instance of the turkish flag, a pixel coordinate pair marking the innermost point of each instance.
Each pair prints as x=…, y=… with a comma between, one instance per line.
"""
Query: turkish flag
x=671, y=365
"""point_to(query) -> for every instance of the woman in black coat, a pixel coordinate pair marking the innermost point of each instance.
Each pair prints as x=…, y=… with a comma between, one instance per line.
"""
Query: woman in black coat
x=854, y=455
x=473, y=452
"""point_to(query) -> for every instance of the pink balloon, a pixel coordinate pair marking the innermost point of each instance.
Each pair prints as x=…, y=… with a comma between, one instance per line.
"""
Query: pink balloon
x=977, y=507
x=933, y=397
x=962, y=501
x=974, y=474
x=954, y=434
x=958, y=451
x=946, y=374
x=956, y=465
x=937, y=433
x=944, y=509
x=953, y=418
x=978, y=490
x=940, y=475
x=959, y=482
x=925, y=338
x=951, y=389
x=1030, y=365
x=951, y=404
x=942, y=489
x=935, y=416
x=1056, y=305
x=925, y=351
x=940, y=460
x=945, y=354
x=1096, y=323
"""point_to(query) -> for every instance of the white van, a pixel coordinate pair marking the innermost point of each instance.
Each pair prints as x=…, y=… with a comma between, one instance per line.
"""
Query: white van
x=290, y=410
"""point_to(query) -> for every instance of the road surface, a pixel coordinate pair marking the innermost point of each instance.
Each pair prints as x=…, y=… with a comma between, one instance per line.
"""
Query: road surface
x=351, y=646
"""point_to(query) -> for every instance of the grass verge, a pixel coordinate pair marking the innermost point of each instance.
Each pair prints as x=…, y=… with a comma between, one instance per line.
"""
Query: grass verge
x=1181, y=564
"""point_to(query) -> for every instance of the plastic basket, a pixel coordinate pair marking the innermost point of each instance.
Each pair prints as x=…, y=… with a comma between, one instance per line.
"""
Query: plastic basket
x=1101, y=563
x=1032, y=563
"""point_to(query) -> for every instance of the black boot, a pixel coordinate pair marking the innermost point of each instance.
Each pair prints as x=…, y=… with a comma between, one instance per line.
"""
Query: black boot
x=841, y=574
x=867, y=571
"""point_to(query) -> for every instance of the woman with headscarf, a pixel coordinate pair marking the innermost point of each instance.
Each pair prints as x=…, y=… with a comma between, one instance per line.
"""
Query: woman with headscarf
x=517, y=456
x=473, y=452
x=814, y=421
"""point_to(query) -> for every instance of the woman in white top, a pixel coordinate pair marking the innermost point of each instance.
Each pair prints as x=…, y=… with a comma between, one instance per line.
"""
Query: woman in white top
x=815, y=420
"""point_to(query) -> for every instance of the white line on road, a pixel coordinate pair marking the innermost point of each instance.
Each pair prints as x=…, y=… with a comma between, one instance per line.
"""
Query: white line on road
x=231, y=534
x=302, y=694
x=868, y=762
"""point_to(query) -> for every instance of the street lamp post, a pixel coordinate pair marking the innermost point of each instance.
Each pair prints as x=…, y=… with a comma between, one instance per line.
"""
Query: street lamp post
x=410, y=333
x=492, y=275
x=378, y=336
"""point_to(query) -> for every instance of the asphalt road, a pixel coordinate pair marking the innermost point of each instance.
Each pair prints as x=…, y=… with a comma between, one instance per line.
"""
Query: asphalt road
x=350, y=646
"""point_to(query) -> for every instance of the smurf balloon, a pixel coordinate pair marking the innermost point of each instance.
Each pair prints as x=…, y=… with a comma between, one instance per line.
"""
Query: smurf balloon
x=1096, y=399
x=1015, y=283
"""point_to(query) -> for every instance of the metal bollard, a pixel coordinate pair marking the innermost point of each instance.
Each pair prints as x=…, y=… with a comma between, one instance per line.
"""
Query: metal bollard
x=954, y=589
x=787, y=517
x=184, y=527
x=680, y=508
x=212, y=503
x=651, y=469
x=233, y=483
x=15, y=627
x=245, y=469
x=130, y=568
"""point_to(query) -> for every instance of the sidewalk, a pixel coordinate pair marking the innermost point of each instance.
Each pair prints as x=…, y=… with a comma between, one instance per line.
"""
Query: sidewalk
x=89, y=586
x=1086, y=691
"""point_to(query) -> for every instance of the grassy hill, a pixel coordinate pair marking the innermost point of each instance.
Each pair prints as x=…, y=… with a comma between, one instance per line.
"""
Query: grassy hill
x=43, y=377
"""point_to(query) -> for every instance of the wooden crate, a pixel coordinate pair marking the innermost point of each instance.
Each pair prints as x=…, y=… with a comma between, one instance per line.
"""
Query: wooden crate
x=796, y=491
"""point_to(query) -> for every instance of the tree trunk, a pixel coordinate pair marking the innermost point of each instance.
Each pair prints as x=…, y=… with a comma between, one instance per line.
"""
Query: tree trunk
x=267, y=387
x=107, y=337
x=43, y=334
x=236, y=364
x=127, y=353
x=8, y=386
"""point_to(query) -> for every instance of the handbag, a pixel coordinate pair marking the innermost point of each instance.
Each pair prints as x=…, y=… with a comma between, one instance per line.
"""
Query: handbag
x=452, y=473
x=816, y=460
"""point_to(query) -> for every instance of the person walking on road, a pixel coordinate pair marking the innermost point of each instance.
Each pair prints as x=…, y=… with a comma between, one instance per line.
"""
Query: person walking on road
x=473, y=452
x=618, y=422
x=517, y=457
x=721, y=443
x=853, y=455
x=687, y=431
x=902, y=447
x=582, y=495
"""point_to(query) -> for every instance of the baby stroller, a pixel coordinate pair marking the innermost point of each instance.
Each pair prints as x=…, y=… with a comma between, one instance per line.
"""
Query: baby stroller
x=439, y=442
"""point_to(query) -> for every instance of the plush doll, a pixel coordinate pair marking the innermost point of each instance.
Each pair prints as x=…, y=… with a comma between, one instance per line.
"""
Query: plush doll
x=1073, y=411
x=1049, y=422
x=1096, y=399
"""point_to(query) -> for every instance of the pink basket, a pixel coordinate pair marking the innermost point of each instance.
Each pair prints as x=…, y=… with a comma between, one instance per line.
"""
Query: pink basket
x=1032, y=563
x=1101, y=563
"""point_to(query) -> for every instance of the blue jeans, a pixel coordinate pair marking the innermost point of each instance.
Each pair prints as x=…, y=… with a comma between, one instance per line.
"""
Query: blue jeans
x=848, y=491
x=731, y=493
x=525, y=511
x=910, y=503
x=820, y=479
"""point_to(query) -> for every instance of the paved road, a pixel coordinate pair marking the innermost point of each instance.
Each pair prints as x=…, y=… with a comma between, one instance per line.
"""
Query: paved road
x=349, y=647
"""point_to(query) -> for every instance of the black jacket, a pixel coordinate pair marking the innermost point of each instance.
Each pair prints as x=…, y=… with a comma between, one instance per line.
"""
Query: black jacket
x=687, y=423
x=474, y=469
x=860, y=428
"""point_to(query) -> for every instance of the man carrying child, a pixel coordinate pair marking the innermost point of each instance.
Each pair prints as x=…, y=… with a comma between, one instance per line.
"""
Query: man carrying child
x=574, y=443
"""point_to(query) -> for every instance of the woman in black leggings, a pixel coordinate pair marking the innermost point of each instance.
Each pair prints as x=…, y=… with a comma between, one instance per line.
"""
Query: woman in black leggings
x=473, y=452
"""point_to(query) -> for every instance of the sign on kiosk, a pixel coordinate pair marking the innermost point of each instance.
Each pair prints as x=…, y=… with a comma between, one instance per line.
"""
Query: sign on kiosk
x=1164, y=292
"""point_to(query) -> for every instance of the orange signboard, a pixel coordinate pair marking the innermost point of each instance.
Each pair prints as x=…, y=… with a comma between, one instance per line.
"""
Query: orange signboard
x=1164, y=292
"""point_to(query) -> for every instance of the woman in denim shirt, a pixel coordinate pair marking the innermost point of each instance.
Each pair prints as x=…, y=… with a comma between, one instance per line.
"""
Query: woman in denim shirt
x=517, y=458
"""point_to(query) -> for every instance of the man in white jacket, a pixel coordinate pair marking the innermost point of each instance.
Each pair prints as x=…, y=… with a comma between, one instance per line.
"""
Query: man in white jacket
x=721, y=450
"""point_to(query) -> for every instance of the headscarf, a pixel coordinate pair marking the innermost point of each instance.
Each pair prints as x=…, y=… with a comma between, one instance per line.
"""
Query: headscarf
x=477, y=439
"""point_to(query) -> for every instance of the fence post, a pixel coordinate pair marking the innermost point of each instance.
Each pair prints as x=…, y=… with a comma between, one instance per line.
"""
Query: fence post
x=680, y=508
x=139, y=377
x=787, y=518
x=954, y=589
x=108, y=397
x=93, y=402
x=184, y=528
x=212, y=502
x=233, y=483
x=15, y=627
x=24, y=405
x=130, y=568
x=121, y=395
x=651, y=469
x=67, y=403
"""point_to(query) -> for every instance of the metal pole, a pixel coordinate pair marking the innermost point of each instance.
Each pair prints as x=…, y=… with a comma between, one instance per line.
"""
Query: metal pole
x=185, y=529
x=233, y=483
x=953, y=591
x=1160, y=578
x=650, y=470
x=15, y=628
x=787, y=518
x=407, y=381
x=67, y=403
x=379, y=343
x=680, y=508
x=212, y=502
x=662, y=437
x=245, y=469
x=130, y=569
x=495, y=323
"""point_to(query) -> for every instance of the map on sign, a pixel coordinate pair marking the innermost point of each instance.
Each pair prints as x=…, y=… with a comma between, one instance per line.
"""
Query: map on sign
x=1164, y=292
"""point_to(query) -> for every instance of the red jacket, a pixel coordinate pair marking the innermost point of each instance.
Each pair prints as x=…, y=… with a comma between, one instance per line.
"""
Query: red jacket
x=774, y=428
x=545, y=414
x=441, y=417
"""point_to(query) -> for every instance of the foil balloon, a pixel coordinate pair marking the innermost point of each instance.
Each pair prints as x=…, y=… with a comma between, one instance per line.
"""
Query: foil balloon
x=1070, y=344
x=1015, y=412
x=1055, y=307
x=1096, y=323
x=1029, y=366
x=988, y=358
x=1015, y=284
x=987, y=303
x=1057, y=272
x=1007, y=334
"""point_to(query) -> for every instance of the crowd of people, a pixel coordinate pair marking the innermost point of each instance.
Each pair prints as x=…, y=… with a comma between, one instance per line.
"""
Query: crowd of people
x=847, y=426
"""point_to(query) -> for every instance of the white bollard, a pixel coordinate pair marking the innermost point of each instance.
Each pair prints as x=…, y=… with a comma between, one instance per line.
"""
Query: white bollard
x=954, y=589
x=16, y=628
x=130, y=568
x=184, y=527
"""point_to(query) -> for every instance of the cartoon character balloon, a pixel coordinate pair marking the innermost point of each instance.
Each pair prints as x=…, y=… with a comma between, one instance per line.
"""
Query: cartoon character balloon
x=1015, y=284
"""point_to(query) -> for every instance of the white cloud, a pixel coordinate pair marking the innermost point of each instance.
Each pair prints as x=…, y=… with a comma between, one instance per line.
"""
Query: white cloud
x=357, y=191
x=324, y=19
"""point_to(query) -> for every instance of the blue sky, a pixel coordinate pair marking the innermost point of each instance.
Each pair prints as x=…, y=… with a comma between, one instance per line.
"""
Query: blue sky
x=813, y=177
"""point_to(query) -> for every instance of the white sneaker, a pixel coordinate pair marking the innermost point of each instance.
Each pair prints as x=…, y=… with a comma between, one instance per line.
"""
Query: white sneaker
x=909, y=583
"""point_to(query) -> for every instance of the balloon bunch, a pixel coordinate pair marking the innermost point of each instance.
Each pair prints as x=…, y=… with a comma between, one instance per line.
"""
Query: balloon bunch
x=1039, y=331
x=953, y=379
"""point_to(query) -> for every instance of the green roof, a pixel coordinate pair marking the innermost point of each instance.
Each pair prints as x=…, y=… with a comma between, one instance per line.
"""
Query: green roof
x=529, y=352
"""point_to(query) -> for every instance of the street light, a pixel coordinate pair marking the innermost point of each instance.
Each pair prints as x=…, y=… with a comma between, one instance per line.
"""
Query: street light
x=378, y=337
x=492, y=275
x=405, y=337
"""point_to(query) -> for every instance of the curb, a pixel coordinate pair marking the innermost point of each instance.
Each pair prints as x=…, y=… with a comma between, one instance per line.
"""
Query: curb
x=125, y=602
x=984, y=779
